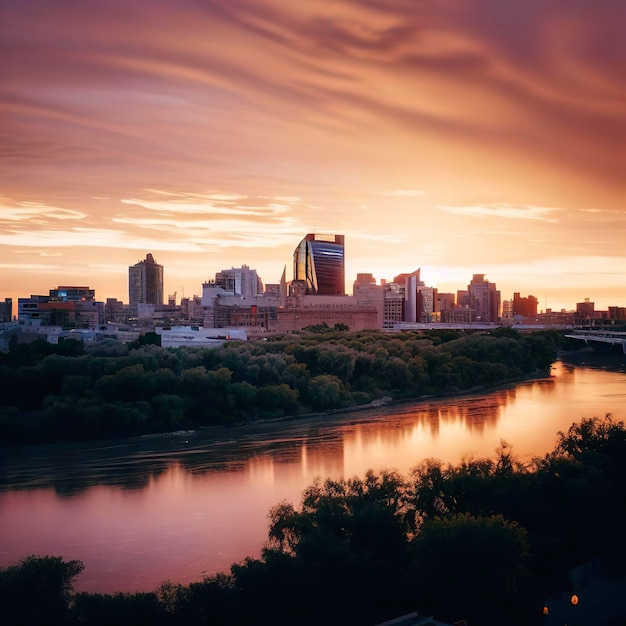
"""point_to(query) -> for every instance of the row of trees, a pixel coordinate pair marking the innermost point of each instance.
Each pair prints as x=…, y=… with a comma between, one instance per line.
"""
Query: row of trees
x=485, y=541
x=107, y=390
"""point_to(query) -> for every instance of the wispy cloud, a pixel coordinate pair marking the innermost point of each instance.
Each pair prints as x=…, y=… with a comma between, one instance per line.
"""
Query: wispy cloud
x=91, y=238
x=29, y=267
x=33, y=211
x=146, y=134
x=504, y=210
x=191, y=206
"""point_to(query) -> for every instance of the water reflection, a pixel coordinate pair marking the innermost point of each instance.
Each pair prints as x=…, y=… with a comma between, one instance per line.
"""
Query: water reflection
x=131, y=464
x=140, y=511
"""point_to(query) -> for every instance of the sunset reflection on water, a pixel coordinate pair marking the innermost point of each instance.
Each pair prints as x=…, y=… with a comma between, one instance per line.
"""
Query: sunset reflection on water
x=143, y=511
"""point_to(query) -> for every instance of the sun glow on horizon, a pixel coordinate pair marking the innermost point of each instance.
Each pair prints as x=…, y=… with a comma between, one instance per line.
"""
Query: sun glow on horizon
x=427, y=137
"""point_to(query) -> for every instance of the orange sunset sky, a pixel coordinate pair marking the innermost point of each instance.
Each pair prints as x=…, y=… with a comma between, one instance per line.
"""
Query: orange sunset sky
x=460, y=137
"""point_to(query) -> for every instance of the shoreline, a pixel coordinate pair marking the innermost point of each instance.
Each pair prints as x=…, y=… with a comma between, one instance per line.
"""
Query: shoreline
x=387, y=402
x=378, y=403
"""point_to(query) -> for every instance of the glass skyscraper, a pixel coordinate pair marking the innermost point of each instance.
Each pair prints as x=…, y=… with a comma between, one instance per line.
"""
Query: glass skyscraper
x=319, y=263
x=145, y=282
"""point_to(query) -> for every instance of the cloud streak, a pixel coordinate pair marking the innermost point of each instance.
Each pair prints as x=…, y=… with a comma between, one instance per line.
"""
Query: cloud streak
x=505, y=211
x=227, y=130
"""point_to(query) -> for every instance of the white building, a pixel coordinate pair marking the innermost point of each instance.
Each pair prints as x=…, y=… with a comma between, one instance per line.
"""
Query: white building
x=240, y=281
x=198, y=337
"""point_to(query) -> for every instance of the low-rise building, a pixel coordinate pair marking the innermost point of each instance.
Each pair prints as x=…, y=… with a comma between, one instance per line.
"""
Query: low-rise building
x=198, y=337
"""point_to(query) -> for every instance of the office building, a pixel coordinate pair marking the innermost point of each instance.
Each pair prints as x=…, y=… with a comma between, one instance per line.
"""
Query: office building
x=303, y=311
x=367, y=292
x=60, y=309
x=481, y=300
x=70, y=293
x=585, y=311
x=6, y=310
x=240, y=281
x=116, y=311
x=145, y=282
x=526, y=307
x=319, y=265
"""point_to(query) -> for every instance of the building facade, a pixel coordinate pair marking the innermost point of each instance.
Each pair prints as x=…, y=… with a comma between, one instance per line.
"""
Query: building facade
x=71, y=293
x=319, y=263
x=240, y=281
x=6, y=310
x=303, y=311
x=525, y=307
x=145, y=282
x=59, y=309
x=481, y=299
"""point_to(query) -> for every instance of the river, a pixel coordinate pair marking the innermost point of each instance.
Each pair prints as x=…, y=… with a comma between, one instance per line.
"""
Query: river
x=179, y=507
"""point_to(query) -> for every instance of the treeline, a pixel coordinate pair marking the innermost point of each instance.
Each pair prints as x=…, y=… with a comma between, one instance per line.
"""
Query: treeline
x=486, y=540
x=71, y=392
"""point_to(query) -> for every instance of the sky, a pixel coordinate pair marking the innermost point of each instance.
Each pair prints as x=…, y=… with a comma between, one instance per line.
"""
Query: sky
x=483, y=137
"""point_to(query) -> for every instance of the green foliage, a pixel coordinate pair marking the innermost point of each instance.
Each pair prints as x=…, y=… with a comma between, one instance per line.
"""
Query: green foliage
x=37, y=590
x=325, y=392
x=353, y=511
x=121, y=609
x=483, y=540
x=471, y=567
x=169, y=410
x=317, y=328
x=147, y=339
x=278, y=400
x=65, y=393
x=596, y=439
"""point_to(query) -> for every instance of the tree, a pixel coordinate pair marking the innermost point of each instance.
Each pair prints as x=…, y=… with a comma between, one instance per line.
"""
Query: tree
x=37, y=590
x=471, y=567
x=599, y=439
x=169, y=410
x=341, y=327
x=95, y=609
x=325, y=392
x=147, y=339
x=278, y=399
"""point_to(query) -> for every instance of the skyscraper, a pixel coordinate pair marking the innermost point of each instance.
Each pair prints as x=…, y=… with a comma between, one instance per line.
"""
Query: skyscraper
x=319, y=263
x=145, y=282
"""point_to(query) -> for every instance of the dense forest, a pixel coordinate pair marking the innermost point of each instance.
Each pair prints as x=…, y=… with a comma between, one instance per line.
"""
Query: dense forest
x=73, y=392
x=487, y=540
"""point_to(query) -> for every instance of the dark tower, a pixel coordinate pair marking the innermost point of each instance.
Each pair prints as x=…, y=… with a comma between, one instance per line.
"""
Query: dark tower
x=319, y=262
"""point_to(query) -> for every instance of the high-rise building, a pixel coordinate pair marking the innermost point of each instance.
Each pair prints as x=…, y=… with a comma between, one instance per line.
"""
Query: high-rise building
x=145, y=282
x=319, y=263
x=420, y=302
x=482, y=299
x=240, y=281
x=366, y=291
x=6, y=310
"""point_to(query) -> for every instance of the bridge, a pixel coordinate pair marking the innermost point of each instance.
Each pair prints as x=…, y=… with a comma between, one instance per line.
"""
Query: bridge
x=614, y=338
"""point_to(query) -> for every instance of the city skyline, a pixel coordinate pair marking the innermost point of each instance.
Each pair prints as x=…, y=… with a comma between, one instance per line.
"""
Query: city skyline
x=486, y=139
x=228, y=278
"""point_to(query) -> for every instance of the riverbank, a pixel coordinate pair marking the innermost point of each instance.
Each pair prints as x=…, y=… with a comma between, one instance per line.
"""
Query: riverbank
x=52, y=397
x=139, y=511
x=385, y=401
